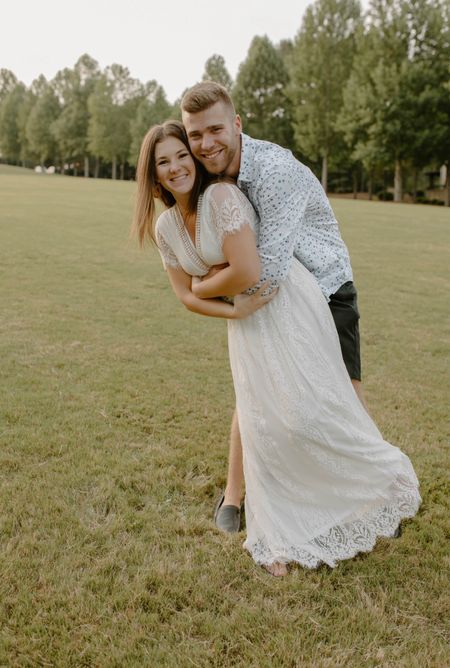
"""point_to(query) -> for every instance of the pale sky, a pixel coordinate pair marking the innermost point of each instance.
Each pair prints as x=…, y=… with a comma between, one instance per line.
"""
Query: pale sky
x=169, y=40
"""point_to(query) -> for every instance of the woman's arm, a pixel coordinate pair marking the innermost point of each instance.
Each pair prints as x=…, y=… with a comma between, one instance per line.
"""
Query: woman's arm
x=243, y=272
x=245, y=304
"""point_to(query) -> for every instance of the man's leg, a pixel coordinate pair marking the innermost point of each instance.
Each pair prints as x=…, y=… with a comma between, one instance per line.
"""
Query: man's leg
x=344, y=309
x=227, y=515
x=357, y=385
x=235, y=479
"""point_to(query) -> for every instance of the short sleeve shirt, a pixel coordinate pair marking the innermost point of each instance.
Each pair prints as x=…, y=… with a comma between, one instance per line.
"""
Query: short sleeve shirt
x=295, y=216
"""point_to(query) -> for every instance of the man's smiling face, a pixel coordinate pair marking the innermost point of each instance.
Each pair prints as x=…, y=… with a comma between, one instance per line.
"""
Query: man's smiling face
x=214, y=138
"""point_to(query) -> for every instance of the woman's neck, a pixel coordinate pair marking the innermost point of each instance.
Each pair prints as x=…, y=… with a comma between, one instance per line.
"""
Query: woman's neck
x=183, y=204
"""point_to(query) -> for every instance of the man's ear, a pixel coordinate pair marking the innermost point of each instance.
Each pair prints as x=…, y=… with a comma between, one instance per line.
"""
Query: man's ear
x=238, y=123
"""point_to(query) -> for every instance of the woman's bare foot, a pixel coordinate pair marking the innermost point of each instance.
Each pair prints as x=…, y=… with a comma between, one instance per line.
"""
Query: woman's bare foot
x=277, y=569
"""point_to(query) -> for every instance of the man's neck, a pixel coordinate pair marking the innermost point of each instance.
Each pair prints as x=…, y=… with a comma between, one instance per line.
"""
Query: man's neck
x=232, y=171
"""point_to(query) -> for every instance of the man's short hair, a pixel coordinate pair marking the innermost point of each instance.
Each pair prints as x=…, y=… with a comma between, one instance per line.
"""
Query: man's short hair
x=203, y=95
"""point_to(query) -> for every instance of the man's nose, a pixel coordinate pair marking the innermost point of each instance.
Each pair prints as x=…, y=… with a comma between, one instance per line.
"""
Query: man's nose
x=207, y=141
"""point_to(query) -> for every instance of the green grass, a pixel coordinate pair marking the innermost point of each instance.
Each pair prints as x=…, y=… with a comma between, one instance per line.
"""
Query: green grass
x=115, y=410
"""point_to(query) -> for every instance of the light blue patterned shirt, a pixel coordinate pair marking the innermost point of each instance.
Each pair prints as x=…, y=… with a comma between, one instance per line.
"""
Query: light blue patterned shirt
x=295, y=216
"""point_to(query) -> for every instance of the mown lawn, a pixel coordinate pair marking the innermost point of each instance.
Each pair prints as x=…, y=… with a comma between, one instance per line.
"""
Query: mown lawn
x=115, y=409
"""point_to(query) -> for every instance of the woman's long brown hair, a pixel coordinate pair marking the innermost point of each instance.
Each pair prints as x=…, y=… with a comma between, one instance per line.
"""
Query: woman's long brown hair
x=148, y=189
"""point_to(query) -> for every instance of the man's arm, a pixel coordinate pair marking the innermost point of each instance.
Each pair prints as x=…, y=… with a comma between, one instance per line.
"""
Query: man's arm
x=280, y=197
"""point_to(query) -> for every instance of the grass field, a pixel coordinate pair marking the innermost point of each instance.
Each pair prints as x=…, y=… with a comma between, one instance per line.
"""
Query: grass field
x=115, y=409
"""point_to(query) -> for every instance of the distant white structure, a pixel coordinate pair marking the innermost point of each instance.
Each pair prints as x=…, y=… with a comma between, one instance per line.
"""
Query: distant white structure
x=42, y=170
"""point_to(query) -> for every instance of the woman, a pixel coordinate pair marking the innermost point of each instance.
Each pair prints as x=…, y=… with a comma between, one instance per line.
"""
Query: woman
x=321, y=483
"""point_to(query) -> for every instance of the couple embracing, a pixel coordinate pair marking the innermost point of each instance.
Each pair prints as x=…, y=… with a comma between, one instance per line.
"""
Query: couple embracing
x=249, y=235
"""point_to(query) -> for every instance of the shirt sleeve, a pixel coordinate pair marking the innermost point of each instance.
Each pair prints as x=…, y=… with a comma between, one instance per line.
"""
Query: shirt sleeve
x=281, y=201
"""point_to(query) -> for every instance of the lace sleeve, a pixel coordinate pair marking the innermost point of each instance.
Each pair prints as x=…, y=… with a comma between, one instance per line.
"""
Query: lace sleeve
x=168, y=257
x=230, y=209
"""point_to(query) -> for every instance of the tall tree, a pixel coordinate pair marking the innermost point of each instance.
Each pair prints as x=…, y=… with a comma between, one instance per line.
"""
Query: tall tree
x=215, y=70
x=153, y=108
x=446, y=159
x=260, y=93
x=320, y=65
x=10, y=131
x=8, y=81
x=39, y=124
x=112, y=105
x=73, y=87
x=397, y=76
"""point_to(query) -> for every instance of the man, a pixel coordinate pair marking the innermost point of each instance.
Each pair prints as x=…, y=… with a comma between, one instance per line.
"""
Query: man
x=295, y=220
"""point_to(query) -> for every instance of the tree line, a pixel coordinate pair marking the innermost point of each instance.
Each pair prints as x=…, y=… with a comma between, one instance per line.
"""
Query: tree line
x=362, y=97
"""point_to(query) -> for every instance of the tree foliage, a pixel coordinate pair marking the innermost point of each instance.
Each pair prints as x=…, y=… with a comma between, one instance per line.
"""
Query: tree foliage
x=10, y=126
x=260, y=93
x=8, y=81
x=215, y=70
x=354, y=92
x=152, y=109
x=73, y=87
x=320, y=64
x=395, y=107
x=39, y=132
x=111, y=105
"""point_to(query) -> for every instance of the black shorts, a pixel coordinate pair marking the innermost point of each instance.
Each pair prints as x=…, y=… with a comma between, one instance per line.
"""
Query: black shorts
x=344, y=308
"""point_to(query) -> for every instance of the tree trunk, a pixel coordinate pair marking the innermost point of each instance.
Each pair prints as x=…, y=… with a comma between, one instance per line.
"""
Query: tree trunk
x=447, y=185
x=370, y=186
x=355, y=184
x=398, y=187
x=114, y=168
x=75, y=170
x=122, y=171
x=86, y=166
x=415, y=181
x=97, y=167
x=325, y=173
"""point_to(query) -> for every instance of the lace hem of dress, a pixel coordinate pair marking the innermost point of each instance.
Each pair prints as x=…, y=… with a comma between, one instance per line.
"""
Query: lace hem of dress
x=344, y=541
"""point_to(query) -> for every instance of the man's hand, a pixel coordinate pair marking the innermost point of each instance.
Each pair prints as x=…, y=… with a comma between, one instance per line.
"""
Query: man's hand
x=245, y=305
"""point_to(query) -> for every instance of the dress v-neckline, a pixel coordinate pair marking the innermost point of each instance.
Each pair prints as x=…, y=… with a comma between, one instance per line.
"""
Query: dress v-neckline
x=192, y=246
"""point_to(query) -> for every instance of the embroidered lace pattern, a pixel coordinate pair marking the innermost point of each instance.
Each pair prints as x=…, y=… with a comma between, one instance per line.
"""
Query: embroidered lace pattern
x=321, y=482
x=168, y=256
x=229, y=209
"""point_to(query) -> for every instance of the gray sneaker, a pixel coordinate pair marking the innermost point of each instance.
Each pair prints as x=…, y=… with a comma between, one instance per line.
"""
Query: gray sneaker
x=227, y=518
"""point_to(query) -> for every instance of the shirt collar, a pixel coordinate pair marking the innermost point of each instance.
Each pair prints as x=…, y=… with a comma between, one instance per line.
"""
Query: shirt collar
x=248, y=147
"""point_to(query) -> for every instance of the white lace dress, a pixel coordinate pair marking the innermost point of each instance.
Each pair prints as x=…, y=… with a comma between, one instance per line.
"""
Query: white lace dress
x=321, y=483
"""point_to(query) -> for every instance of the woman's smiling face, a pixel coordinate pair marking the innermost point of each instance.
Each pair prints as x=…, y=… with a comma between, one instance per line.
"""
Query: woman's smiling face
x=175, y=167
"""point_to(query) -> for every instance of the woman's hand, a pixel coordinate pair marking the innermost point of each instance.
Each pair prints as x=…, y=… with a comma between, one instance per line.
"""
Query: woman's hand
x=196, y=280
x=215, y=270
x=245, y=305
